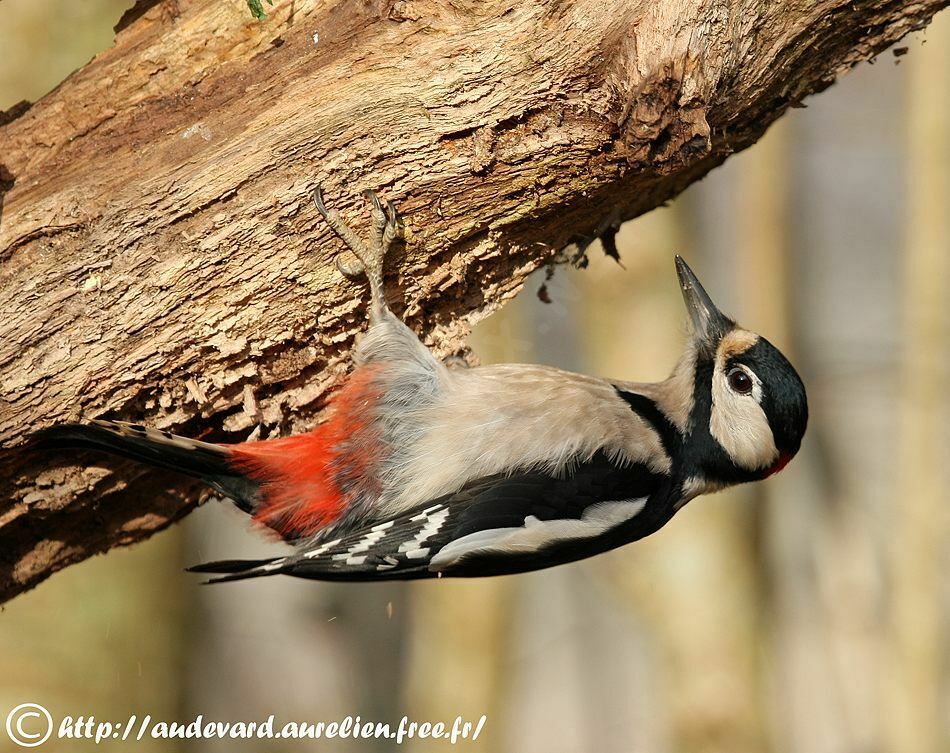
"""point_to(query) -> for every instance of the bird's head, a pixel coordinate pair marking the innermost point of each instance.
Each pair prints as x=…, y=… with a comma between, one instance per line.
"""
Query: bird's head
x=748, y=408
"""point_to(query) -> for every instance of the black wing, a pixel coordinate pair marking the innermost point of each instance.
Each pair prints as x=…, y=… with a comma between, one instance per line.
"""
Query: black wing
x=493, y=526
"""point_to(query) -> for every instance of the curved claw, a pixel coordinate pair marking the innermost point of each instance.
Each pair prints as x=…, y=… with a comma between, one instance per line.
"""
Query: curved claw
x=350, y=271
x=371, y=195
x=391, y=214
x=317, y=195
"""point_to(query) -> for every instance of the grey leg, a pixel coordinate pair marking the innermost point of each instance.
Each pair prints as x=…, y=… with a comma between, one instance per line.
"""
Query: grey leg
x=370, y=253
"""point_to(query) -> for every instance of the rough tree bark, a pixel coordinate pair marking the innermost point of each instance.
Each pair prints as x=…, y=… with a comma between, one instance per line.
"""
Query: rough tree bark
x=160, y=260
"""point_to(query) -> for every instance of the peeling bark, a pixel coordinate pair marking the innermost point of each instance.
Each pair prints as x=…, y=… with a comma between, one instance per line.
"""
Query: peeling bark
x=160, y=260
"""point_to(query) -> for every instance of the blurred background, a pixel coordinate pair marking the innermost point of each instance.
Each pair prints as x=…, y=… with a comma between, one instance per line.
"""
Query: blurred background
x=807, y=614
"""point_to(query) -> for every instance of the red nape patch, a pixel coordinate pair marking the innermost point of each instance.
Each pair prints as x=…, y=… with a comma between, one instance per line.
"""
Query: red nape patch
x=307, y=480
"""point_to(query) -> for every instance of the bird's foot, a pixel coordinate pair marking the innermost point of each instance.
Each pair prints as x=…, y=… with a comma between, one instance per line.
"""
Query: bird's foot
x=370, y=253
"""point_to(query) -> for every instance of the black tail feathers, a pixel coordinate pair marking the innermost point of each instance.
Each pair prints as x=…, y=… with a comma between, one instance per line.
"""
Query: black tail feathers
x=230, y=570
x=201, y=460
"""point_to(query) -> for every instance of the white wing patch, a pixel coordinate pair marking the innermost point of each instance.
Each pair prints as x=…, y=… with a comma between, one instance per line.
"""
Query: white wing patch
x=375, y=535
x=537, y=534
x=413, y=548
x=314, y=553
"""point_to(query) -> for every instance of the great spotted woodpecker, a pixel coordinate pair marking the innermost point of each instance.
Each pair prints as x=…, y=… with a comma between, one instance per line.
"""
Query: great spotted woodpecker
x=424, y=471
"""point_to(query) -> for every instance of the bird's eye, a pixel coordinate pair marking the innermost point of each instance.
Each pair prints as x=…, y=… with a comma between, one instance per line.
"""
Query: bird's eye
x=739, y=380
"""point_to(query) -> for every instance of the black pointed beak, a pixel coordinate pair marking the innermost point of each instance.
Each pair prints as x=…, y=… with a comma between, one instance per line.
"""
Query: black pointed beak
x=709, y=324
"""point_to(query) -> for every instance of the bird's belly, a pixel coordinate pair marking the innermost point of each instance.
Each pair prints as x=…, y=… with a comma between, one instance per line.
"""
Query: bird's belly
x=506, y=419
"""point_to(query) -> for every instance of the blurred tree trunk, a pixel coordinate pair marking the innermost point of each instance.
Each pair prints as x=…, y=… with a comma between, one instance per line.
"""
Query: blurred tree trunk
x=159, y=258
x=918, y=555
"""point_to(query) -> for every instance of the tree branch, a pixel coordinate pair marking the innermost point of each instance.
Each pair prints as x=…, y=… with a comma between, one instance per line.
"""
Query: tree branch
x=160, y=261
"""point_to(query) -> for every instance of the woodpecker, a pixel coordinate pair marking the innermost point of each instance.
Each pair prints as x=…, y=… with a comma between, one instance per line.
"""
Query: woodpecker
x=426, y=471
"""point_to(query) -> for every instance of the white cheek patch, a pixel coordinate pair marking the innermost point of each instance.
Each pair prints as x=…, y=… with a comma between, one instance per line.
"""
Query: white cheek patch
x=739, y=424
x=538, y=534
